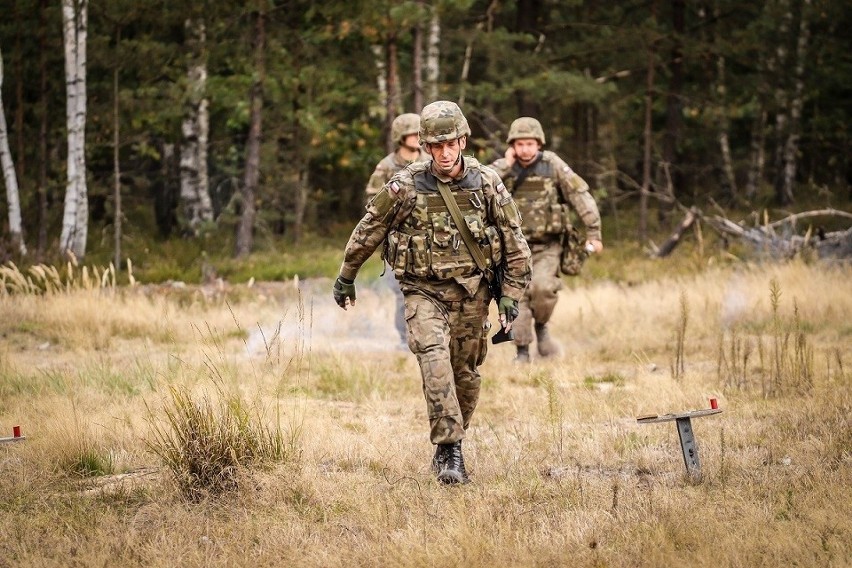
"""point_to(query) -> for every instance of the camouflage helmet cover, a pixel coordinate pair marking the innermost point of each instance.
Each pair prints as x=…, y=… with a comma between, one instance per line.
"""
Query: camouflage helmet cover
x=403, y=125
x=441, y=121
x=525, y=127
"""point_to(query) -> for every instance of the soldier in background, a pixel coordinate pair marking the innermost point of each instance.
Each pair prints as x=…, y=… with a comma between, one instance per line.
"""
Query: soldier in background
x=446, y=294
x=405, y=132
x=543, y=187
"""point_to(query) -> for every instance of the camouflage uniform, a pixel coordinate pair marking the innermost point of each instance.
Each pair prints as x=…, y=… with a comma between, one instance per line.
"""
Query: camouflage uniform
x=446, y=296
x=402, y=126
x=544, y=198
x=385, y=170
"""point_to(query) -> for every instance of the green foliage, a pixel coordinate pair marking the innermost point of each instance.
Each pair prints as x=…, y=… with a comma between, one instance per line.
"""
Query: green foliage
x=90, y=462
x=580, y=68
x=610, y=378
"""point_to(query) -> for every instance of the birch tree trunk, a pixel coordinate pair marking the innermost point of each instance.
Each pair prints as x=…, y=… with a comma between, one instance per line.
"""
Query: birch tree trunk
x=76, y=215
x=381, y=78
x=194, y=184
x=252, y=174
x=433, y=55
x=10, y=177
x=791, y=144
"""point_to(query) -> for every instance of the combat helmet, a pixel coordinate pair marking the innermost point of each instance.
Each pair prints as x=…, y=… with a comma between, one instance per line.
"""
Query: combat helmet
x=526, y=127
x=403, y=125
x=441, y=121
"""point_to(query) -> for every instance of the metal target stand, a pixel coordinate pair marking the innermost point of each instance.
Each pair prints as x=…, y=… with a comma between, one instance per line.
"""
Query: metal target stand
x=688, y=444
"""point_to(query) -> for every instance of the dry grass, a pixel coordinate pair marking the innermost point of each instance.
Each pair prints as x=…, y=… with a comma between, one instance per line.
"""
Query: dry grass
x=563, y=474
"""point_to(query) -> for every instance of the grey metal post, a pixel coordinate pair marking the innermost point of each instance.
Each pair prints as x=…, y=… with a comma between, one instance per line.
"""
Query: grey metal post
x=689, y=447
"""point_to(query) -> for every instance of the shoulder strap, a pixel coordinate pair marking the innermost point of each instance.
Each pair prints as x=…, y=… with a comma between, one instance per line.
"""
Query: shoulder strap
x=468, y=239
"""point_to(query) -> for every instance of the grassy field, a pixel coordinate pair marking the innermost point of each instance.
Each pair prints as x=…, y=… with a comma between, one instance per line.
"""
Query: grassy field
x=263, y=426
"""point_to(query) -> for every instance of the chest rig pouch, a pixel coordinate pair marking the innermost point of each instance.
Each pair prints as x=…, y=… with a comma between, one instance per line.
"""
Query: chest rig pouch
x=428, y=244
x=538, y=201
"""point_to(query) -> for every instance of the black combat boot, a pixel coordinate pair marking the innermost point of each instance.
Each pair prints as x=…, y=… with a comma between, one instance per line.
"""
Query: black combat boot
x=546, y=346
x=523, y=355
x=440, y=458
x=453, y=468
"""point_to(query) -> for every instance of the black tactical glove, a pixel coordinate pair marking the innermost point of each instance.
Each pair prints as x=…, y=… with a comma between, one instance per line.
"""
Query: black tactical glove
x=344, y=288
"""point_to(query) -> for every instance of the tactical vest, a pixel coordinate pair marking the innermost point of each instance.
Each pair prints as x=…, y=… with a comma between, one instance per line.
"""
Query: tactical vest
x=542, y=213
x=427, y=243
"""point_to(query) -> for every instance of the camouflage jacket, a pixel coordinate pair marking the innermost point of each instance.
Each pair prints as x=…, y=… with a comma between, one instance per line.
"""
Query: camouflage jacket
x=385, y=170
x=549, y=186
x=421, y=242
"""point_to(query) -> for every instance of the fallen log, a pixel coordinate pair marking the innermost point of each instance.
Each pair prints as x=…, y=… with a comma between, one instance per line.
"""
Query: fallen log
x=836, y=245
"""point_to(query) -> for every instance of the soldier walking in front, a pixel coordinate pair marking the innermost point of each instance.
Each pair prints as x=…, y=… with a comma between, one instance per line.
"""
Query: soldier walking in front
x=446, y=292
x=544, y=187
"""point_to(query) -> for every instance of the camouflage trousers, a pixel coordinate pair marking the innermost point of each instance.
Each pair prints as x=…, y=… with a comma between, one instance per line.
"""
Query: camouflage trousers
x=449, y=340
x=399, y=314
x=540, y=298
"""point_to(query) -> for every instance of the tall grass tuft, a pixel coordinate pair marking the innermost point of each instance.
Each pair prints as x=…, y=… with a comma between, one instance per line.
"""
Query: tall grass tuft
x=785, y=367
x=209, y=444
x=44, y=279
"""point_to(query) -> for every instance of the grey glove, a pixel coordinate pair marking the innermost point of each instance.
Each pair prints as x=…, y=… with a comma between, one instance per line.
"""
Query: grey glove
x=344, y=288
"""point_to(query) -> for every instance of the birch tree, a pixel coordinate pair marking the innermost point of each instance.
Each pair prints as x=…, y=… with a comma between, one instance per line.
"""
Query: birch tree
x=76, y=215
x=433, y=54
x=10, y=177
x=194, y=182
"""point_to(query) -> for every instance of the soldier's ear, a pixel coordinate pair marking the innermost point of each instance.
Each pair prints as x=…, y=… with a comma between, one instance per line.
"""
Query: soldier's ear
x=462, y=142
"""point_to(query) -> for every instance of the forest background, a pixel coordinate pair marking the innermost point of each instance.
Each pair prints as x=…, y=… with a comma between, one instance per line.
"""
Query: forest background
x=212, y=130
x=229, y=143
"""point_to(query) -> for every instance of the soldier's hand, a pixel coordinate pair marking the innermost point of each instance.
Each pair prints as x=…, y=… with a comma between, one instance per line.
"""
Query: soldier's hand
x=508, y=310
x=594, y=246
x=344, y=292
x=509, y=155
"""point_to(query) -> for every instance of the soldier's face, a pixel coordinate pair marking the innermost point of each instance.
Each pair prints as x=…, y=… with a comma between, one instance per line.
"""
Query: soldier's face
x=412, y=141
x=445, y=155
x=526, y=149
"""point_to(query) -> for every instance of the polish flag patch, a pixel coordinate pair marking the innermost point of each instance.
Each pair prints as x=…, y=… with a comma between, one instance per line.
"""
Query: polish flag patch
x=394, y=187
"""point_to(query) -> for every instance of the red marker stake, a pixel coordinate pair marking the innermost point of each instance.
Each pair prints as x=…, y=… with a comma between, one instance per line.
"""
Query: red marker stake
x=714, y=404
x=16, y=431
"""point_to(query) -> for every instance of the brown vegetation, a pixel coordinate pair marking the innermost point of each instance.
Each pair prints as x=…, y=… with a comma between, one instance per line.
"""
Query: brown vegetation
x=562, y=473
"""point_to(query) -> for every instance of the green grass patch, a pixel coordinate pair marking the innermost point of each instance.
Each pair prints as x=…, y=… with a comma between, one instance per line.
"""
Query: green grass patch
x=595, y=381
